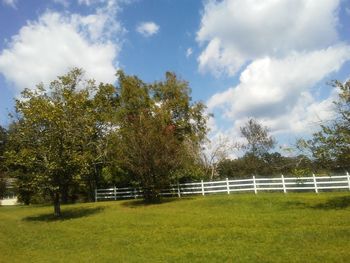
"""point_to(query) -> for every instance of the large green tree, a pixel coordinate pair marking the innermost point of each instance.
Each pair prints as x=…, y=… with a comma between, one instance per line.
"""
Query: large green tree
x=159, y=131
x=3, y=142
x=57, y=144
x=330, y=147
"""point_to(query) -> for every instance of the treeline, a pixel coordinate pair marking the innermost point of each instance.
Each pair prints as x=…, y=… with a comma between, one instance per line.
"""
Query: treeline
x=75, y=135
x=257, y=156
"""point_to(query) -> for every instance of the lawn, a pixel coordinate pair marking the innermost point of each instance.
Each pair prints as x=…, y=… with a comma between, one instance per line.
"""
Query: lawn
x=267, y=227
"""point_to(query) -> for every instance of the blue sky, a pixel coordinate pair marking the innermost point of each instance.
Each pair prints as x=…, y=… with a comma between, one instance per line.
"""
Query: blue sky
x=264, y=59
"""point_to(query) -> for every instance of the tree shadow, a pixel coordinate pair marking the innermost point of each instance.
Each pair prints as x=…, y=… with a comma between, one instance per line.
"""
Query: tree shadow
x=143, y=203
x=67, y=214
x=341, y=202
x=335, y=203
x=295, y=204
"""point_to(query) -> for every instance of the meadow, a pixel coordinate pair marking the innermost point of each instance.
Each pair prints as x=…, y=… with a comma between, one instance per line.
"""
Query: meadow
x=268, y=227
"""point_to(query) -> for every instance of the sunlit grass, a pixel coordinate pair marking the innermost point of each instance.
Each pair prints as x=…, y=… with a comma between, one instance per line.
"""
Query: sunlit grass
x=221, y=228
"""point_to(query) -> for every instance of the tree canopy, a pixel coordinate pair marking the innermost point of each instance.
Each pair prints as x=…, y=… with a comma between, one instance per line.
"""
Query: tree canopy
x=258, y=139
x=330, y=147
x=69, y=137
x=56, y=145
x=159, y=131
x=3, y=142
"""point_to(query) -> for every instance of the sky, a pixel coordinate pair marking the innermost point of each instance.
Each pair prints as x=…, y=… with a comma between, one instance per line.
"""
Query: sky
x=270, y=60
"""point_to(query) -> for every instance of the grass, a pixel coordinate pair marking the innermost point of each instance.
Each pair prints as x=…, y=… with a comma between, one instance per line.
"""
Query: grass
x=267, y=227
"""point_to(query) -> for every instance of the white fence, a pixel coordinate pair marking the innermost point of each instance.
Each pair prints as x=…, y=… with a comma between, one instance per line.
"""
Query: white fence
x=285, y=184
x=9, y=201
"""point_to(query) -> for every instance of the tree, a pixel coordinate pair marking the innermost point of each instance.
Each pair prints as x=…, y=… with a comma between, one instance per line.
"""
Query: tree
x=216, y=151
x=56, y=147
x=258, y=144
x=3, y=142
x=258, y=139
x=330, y=147
x=159, y=131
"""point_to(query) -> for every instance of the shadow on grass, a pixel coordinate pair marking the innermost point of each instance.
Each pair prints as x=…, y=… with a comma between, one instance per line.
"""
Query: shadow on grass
x=67, y=214
x=140, y=203
x=341, y=202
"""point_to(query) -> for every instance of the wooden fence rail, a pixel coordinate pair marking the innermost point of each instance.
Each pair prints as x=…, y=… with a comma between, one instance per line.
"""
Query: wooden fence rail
x=284, y=184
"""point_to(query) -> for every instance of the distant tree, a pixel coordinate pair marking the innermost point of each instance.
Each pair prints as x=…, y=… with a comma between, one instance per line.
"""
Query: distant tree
x=330, y=147
x=214, y=152
x=270, y=164
x=232, y=168
x=258, y=139
x=57, y=146
x=3, y=142
x=258, y=143
x=159, y=131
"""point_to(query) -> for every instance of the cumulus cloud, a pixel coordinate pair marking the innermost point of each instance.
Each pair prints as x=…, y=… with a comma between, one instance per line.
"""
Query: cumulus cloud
x=97, y=2
x=283, y=50
x=11, y=3
x=85, y=2
x=277, y=91
x=53, y=44
x=189, y=52
x=64, y=3
x=147, y=29
x=234, y=32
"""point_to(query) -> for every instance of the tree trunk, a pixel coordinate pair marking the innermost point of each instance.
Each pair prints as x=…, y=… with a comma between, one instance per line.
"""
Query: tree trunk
x=64, y=194
x=212, y=174
x=57, y=205
x=151, y=195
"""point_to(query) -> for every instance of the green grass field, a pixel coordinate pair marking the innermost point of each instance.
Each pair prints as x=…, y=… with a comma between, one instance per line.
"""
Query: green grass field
x=222, y=228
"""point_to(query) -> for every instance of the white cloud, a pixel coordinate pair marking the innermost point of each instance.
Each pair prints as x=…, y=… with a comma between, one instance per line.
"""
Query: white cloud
x=277, y=91
x=284, y=49
x=234, y=32
x=147, y=29
x=347, y=11
x=49, y=47
x=11, y=3
x=189, y=52
x=64, y=3
x=97, y=2
x=108, y=3
x=84, y=2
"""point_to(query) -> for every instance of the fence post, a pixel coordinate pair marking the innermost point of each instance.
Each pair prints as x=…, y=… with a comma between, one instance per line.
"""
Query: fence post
x=347, y=174
x=254, y=183
x=315, y=183
x=227, y=186
x=135, y=195
x=95, y=194
x=202, y=187
x=115, y=193
x=284, y=185
x=178, y=190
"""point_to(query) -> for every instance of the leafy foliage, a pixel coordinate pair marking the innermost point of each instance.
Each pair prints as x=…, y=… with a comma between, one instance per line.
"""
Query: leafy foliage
x=56, y=147
x=330, y=147
x=270, y=164
x=76, y=135
x=257, y=146
x=159, y=131
x=3, y=141
x=259, y=141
